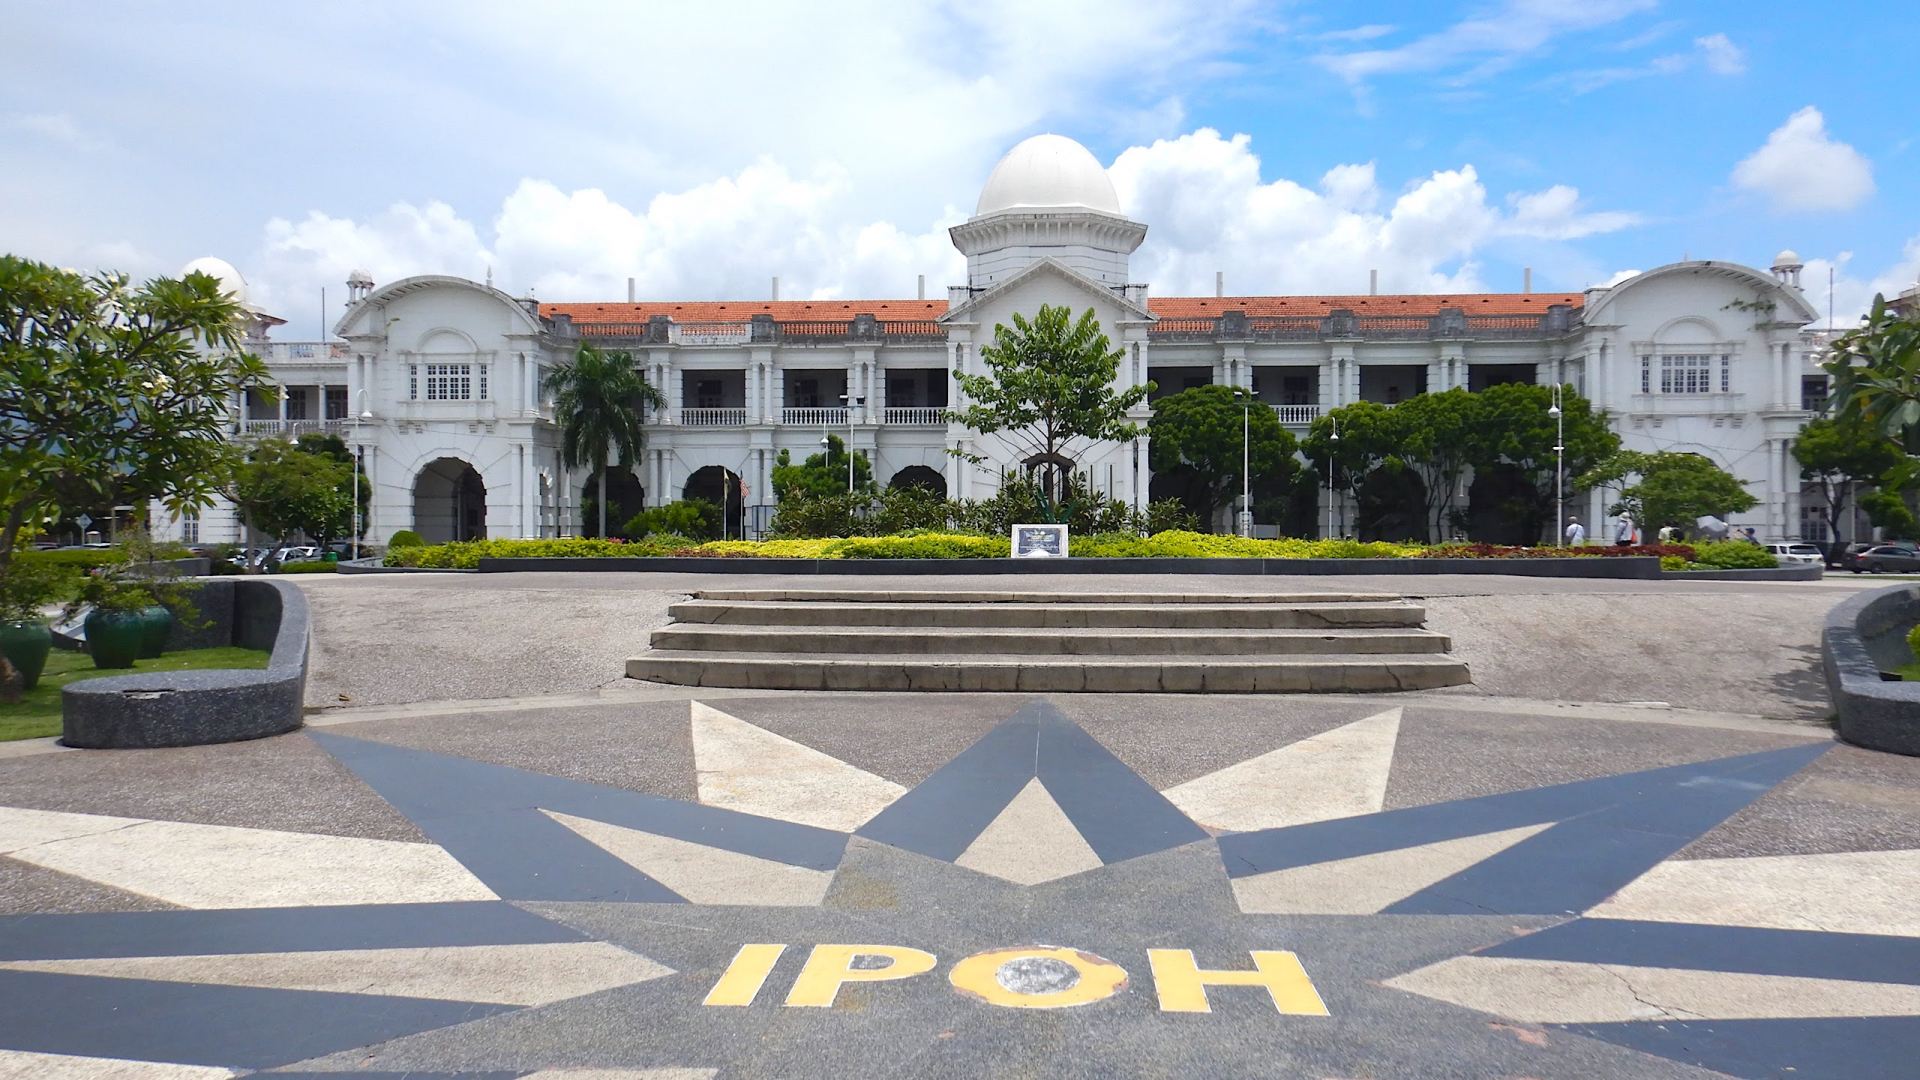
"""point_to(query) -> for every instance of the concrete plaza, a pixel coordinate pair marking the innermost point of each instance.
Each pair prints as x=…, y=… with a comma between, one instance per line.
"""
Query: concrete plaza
x=1630, y=849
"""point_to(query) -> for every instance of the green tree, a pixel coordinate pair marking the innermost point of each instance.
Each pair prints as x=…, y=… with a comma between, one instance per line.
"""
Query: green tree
x=600, y=400
x=1364, y=444
x=1516, y=431
x=283, y=489
x=1841, y=455
x=1671, y=488
x=1876, y=374
x=1049, y=382
x=822, y=475
x=332, y=446
x=1441, y=432
x=111, y=391
x=1197, y=441
x=1890, y=513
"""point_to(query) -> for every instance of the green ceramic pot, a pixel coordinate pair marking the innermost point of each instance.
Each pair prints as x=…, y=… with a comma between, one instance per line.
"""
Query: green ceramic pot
x=157, y=623
x=25, y=645
x=114, y=638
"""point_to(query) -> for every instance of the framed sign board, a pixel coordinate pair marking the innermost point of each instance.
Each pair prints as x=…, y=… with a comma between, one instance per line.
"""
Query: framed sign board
x=1039, y=541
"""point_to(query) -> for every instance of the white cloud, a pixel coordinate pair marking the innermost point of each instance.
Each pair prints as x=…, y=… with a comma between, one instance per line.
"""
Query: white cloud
x=1484, y=44
x=1557, y=214
x=1801, y=167
x=1616, y=278
x=1202, y=195
x=1852, y=297
x=59, y=128
x=1715, y=52
x=1722, y=56
x=1208, y=208
x=724, y=238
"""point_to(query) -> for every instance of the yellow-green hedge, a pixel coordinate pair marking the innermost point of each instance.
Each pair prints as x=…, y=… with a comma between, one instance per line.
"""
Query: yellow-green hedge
x=925, y=545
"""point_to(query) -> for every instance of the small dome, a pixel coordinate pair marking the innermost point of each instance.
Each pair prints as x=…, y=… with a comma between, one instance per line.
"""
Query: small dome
x=231, y=283
x=1045, y=171
x=359, y=277
x=1789, y=257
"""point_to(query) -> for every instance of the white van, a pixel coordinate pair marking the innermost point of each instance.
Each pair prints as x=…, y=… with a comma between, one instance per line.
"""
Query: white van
x=1792, y=554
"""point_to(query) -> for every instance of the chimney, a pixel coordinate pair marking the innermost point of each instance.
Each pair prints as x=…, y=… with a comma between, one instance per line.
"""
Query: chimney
x=922, y=291
x=629, y=290
x=1219, y=283
x=1373, y=283
x=1526, y=279
x=776, y=288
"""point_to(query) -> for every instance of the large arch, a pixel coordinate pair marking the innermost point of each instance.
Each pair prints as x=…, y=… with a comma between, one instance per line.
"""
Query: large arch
x=920, y=476
x=449, y=502
x=625, y=498
x=720, y=486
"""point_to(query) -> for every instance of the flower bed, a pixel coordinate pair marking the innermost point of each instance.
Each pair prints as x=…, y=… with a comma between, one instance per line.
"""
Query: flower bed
x=941, y=545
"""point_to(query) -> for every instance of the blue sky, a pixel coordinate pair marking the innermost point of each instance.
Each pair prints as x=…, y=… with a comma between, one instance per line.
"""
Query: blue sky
x=1294, y=146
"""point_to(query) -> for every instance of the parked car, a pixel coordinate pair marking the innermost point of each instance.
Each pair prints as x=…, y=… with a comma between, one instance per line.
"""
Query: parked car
x=1797, y=554
x=1886, y=558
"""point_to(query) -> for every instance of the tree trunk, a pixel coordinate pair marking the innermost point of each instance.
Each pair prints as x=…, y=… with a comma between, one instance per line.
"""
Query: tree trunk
x=603, y=499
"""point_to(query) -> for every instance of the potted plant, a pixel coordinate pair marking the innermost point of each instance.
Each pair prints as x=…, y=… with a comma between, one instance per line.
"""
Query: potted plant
x=26, y=587
x=116, y=625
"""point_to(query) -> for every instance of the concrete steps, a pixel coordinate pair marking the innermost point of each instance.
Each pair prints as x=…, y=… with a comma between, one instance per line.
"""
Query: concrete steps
x=1073, y=641
x=837, y=639
x=1055, y=615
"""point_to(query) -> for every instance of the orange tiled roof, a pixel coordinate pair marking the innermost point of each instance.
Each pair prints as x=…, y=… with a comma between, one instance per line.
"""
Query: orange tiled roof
x=722, y=311
x=1206, y=307
x=1166, y=307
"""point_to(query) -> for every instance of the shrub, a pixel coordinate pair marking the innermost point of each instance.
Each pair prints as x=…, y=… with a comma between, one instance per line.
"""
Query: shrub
x=1673, y=562
x=1170, y=515
x=317, y=566
x=1913, y=641
x=689, y=517
x=405, y=538
x=923, y=546
x=1734, y=555
x=1684, y=552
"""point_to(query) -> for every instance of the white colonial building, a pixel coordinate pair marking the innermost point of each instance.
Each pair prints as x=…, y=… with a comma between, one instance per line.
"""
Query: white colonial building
x=437, y=380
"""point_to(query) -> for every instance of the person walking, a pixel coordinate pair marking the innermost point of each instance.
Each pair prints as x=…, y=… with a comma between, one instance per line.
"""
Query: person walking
x=1576, y=532
x=1666, y=534
x=1623, y=532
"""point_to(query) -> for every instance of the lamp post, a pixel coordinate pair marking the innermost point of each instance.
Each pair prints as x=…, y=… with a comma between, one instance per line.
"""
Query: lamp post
x=1334, y=438
x=851, y=403
x=1559, y=467
x=361, y=417
x=1246, y=478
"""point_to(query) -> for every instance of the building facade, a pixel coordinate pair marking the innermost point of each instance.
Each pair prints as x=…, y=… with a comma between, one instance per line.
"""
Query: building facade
x=437, y=381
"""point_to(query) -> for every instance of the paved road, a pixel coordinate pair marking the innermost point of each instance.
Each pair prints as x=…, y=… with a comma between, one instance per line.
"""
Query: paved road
x=499, y=861
x=665, y=883
x=1733, y=647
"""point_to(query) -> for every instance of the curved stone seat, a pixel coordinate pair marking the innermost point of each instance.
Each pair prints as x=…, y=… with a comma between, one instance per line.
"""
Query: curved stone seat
x=1864, y=636
x=193, y=708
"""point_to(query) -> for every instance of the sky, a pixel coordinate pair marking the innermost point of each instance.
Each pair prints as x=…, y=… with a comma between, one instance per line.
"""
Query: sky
x=563, y=147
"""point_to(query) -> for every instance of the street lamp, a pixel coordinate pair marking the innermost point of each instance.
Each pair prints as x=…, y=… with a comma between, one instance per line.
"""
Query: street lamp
x=850, y=403
x=1246, y=478
x=1559, y=469
x=363, y=416
x=1334, y=438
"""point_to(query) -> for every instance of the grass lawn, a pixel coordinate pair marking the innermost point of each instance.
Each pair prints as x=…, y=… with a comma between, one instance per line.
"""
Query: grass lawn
x=38, y=712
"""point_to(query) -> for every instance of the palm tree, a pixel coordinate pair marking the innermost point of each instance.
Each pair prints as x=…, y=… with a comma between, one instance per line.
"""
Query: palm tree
x=599, y=401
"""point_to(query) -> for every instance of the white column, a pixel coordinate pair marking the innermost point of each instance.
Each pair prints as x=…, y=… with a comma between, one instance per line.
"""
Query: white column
x=1325, y=385
x=1792, y=494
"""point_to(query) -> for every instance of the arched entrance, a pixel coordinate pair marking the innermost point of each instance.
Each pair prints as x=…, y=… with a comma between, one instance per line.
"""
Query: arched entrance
x=1392, y=505
x=920, y=476
x=1503, y=508
x=721, y=487
x=449, y=502
x=625, y=498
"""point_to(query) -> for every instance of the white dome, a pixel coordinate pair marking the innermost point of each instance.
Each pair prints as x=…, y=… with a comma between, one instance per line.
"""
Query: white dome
x=1048, y=170
x=359, y=277
x=1788, y=257
x=231, y=283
